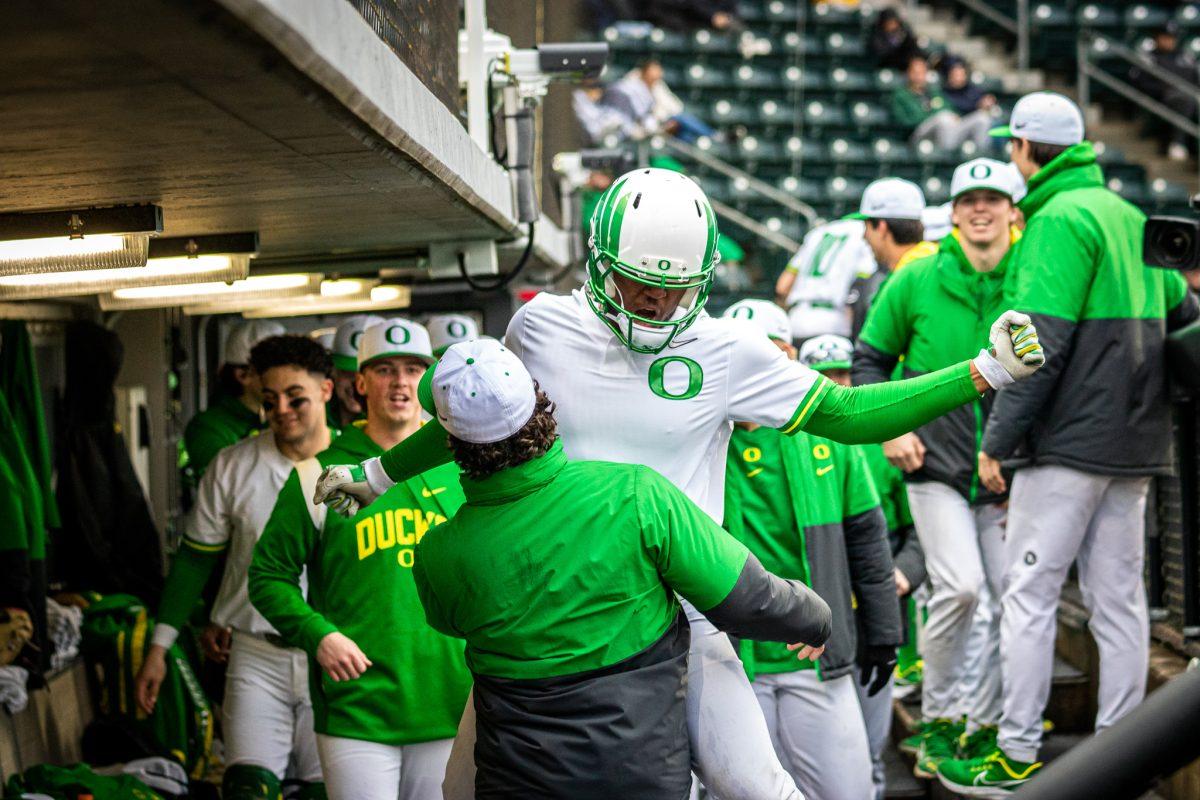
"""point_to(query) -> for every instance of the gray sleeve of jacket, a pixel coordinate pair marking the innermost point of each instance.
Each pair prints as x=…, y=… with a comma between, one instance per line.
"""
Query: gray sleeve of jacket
x=871, y=365
x=1018, y=405
x=870, y=560
x=910, y=559
x=768, y=608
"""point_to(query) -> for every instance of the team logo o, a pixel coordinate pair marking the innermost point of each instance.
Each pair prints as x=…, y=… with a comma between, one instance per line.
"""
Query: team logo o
x=405, y=331
x=980, y=171
x=658, y=376
x=456, y=328
x=354, y=337
x=743, y=312
x=664, y=264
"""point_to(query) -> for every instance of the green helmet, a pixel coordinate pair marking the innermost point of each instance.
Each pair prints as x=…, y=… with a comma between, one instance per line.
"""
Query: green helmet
x=656, y=227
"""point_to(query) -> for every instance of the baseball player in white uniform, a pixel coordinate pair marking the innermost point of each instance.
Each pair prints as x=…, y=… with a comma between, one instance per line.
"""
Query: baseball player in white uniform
x=266, y=713
x=641, y=375
x=814, y=285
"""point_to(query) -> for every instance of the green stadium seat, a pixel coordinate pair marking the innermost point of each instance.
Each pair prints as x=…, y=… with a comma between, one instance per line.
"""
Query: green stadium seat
x=807, y=45
x=750, y=77
x=701, y=76
x=806, y=149
x=802, y=189
x=773, y=113
x=715, y=148
x=850, y=80
x=1052, y=35
x=1188, y=17
x=1099, y=17
x=937, y=191
x=662, y=41
x=726, y=112
x=849, y=151
x=891, y=151
x=716, y=187
x=887, y=79
x=869, y=115
x=845, y=46
x=625, y=41
x=1192, y=46
x=754, y=150
x=1167, y=195
x=824, y=115
x=830, y=15
x=848, y=191
x=1143, y=19
x=708, y=42
x=807, y=79
x=1135, y=192
x=783, y=11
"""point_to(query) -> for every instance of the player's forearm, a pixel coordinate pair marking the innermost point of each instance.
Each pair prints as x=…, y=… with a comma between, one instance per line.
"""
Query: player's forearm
x=768, y=608
x=882, y=411
x=424, y=450
x=276, y=594
x=185, y=582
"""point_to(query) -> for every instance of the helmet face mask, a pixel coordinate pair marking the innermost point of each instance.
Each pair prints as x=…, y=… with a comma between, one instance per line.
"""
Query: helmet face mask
x=656, y=228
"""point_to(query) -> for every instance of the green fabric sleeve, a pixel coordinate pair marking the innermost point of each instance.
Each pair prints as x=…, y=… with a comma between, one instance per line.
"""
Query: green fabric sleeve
x=185, y=583
x=859, y=494
x=284, y=549
x=424, y=450
x=203, y=442
x=435, y=613
x=881, y=411
x=695, y=556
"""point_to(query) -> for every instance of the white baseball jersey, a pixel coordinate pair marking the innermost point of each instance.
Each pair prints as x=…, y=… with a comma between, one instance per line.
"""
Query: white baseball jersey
x=672, y=411
x=826, y=265
x=233, y=503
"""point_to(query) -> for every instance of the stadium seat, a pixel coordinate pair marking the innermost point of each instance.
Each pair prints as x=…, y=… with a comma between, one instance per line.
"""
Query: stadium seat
x=869, y=115
x=774, y=114
x=1133, y=191
x=845, y=46
x=1168, y=196
x=749, y=77
x=725, y=112
x=851, y=81
x=823, y=115
x=807, y=191
x=1143, y=19
x=844, y=191
x=1188, y=18
x=753, y=150
x=1100, y=18
x=806, y=79
x=707, y=42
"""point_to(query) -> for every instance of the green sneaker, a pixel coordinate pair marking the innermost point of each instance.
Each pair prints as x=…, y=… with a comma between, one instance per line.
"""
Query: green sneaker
x=992, y=776
x=939, y=743
x=906, y=679
x=911, y=744
x=979, y=743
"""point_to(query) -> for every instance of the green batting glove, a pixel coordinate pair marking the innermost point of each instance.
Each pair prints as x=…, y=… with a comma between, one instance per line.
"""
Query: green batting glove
x=1015, y=353
x=346, y=488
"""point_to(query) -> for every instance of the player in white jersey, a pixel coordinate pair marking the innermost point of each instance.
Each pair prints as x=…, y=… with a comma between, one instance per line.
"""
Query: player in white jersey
x=814, y=285
x=266, y=714
x=641, y=375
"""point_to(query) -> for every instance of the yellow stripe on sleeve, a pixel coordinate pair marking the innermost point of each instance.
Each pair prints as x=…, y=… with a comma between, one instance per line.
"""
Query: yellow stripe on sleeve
x=808, y=405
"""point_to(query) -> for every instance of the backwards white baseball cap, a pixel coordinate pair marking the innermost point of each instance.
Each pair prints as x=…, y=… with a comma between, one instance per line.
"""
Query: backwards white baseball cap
x=891, y=198
x=345, y=341
x=448, y=329
x=1045, y=117
x=247, y=334
x=480, y=392
x=770, y=318
x=394, y=337
x=983, y=173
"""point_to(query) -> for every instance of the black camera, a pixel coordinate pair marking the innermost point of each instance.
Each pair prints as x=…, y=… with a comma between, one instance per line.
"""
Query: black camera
x=1173, y=242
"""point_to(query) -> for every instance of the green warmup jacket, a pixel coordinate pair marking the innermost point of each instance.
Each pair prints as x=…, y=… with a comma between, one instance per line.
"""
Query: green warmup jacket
x=807, y=507
x=561, y=576
x=911, y=109
x=1100, y=402
x=226, y=421
x=936, y=312
x=360, y=583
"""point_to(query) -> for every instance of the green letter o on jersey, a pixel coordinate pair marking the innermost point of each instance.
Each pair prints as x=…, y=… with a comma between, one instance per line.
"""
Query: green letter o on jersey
x=672, y=369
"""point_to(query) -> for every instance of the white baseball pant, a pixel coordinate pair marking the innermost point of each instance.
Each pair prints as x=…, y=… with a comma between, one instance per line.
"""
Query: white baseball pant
x=817, y=728
x=356, y=769
x=877, y=718
x=1058, y=515
x=732, y=752
x=964, y=555
x=267, y=716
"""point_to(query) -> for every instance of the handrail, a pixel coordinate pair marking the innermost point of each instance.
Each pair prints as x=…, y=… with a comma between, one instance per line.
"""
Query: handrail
x=776, y=238
x=1018, y=26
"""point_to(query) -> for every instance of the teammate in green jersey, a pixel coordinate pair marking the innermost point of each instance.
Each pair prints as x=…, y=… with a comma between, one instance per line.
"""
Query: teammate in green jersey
x=559, y=575
x=387, y=690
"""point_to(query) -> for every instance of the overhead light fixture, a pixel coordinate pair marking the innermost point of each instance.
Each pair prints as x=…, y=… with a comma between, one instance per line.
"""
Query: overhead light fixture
x=335, y=290
x=382, y=298
x=221, y=257
x=117, y=237
x=277, y=287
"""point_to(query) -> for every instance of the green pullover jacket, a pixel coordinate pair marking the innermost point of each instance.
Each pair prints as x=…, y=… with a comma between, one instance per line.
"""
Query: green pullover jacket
x=1100, y=402
x=226, y=421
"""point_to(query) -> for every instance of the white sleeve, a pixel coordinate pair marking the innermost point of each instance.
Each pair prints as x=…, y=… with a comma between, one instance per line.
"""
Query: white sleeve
x=804, y=254
x=208, y=523
x=765, y=386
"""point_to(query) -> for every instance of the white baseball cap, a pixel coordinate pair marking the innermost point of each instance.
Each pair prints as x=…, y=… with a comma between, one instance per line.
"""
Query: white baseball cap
x=242, y=339
x=1045, y=117
x=345, y=341
x=448, y=329
x=891, y=198
x=828, y=351
x=936, y=221
x=394, y=337
x=770, y=318
x=480, y=391
x=983, y=173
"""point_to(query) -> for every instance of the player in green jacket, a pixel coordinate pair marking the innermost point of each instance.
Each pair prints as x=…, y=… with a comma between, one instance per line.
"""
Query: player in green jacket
x=559, y=575
x=387, y=690
x=807, y=508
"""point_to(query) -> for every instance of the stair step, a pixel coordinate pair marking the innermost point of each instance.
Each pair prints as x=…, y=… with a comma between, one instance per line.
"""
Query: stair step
x=899, y=777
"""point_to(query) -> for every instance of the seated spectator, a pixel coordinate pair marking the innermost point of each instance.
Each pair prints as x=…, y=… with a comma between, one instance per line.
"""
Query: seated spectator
x=892, y=42
x=599, y=121
x=649, y=106
x=924, y=111
x=962, y=95
x=1166, y=55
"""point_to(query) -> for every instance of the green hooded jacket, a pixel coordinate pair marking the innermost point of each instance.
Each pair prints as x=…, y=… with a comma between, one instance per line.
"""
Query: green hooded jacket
x=226, y=421
x=1100, y=402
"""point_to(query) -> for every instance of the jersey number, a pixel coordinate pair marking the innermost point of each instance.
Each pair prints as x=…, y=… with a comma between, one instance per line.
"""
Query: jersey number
x=827, y=249
x=677, y=364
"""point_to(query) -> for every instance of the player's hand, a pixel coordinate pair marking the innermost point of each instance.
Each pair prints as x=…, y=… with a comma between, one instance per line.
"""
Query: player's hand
x=346, y=488
x=903, y=586
x=340, y=657
x=806, y=651
x=215, y=641
x=876, y=668
x=906, y=452
x=150, y=678
x=990, y=475
x=1015, y=353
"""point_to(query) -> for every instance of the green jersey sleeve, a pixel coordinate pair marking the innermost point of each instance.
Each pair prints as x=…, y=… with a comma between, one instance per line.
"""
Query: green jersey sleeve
x=859, y=493
x=424, y=450
x=287, y=543
x=185, y=582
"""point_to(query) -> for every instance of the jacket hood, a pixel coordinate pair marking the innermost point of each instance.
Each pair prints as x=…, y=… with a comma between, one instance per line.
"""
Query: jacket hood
x=1075, y=168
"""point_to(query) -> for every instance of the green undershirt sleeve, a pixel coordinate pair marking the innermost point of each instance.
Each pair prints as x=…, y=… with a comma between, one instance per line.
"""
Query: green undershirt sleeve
x=421, y=452
x=881, y=411
x=189, y=572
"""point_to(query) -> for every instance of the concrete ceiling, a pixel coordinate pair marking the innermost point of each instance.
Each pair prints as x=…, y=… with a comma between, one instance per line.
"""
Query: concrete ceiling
x=262, y=115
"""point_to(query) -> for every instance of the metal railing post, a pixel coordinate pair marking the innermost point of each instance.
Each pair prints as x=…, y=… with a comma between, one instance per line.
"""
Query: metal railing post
x=1023, y=34
x=1082, y=52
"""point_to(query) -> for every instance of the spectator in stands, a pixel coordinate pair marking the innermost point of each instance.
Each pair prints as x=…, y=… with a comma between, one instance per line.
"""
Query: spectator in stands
x=963, y=95
x=1085, y=433
x=649, y=106
x=923, y=109
x=1167, y=56
x=892, y=41
x=599, y=121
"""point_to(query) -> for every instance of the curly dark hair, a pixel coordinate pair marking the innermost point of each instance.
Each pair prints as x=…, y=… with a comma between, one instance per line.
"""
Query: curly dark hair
x=291, y=350
x=479, y=461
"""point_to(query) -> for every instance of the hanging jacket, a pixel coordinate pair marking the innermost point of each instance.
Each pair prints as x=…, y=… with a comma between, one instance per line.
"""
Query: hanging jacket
x=936, y=312
x=1100, y=402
